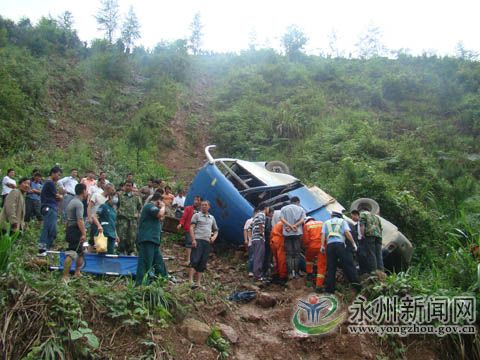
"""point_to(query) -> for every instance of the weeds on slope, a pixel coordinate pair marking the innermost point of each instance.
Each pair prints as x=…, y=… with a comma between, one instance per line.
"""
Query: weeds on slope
x=456, y=273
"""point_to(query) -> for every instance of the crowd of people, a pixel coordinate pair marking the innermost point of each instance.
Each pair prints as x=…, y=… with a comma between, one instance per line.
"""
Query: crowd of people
x=130, y=218
x=127, y=216
x=283, y=238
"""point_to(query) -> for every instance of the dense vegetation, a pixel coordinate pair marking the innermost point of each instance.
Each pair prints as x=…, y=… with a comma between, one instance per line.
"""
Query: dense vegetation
x=403, y=130
x=58, y=93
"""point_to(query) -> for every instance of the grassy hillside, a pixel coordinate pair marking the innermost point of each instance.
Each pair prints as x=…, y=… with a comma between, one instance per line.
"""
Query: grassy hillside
x=402, y=131
x=98, y=105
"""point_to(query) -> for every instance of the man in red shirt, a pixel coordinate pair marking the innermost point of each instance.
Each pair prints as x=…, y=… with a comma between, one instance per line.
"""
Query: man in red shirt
x=185, y=224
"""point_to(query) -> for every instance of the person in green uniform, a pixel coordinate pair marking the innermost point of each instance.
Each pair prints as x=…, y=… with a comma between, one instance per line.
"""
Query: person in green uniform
x=371, y=230
x=105, y=220
x=148, y=241
x=129, y=207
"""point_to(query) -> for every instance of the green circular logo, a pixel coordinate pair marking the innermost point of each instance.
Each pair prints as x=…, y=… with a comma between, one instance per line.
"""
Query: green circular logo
x=321, y=315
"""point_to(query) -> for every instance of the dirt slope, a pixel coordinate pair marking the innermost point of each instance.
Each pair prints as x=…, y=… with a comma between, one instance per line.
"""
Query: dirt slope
x=190, y=132
x=264, y=333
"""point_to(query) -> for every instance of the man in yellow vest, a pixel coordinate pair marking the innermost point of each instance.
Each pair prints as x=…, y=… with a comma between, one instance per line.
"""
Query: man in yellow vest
x=334, y=232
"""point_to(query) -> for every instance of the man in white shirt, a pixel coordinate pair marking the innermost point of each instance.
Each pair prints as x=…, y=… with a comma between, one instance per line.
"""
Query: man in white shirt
x=179, y=200
x=67, y=184
x=8, y=184
x=96, y=189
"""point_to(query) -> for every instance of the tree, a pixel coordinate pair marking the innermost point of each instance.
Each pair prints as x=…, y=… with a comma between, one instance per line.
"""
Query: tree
x=335, y=50
x=196, y=34
x=252, y=40
x=370, y=44
x=469, y=115
x=107, y=18
x=65, y=20
x=139, y=139
x=130, y=30
x=294, y=41
x=464, y=53
x=24, y=23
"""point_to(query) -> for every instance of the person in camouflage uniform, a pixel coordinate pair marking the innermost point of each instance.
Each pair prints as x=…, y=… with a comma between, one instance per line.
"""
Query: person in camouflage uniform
x=371, y=229
x=129, y=207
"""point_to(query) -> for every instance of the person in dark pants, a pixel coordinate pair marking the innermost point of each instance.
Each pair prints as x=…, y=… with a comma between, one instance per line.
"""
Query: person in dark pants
x=247, y=240
x=148, y=241
x=268, y=258
x=49, y=199
x=185, y=224
x=204, y=232
x=371, y=230
x=292, y=216
x=333, y=233
x=105, y=221
x=76, y=233
x=32, y=200
x=258, y=241
x=361, y=255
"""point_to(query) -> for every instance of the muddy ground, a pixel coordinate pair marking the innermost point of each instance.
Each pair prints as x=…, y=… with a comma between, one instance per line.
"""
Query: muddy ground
x=263, y=333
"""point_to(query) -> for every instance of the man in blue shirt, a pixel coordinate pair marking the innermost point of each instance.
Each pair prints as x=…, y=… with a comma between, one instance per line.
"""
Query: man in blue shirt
x=33, y=198
x=49, y=205
x=334, y=232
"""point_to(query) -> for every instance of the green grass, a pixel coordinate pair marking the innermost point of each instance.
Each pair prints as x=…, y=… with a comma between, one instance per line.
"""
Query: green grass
x=68, y=321
x=216, y=341
x=7, y=240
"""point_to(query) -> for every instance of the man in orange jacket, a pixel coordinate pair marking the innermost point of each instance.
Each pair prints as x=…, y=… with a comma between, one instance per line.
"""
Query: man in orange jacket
x=312, y=240
x=277, y=246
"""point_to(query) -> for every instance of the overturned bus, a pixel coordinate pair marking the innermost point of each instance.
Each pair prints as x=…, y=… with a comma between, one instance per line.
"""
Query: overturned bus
x=235, y=187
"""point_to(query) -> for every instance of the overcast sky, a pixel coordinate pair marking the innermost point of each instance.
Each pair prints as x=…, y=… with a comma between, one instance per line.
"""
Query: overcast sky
x=417, y=25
